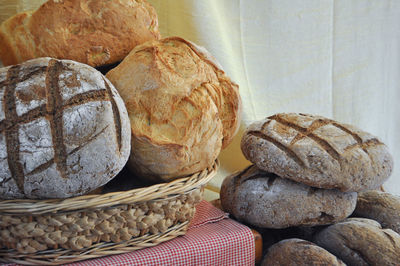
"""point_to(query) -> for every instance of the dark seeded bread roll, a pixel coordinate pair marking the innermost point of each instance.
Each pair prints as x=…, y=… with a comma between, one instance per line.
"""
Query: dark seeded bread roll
x=268, y=201
x=359, y=241
x=380, y=206
x=298, y=252
x=318, y=152
x=64, y=130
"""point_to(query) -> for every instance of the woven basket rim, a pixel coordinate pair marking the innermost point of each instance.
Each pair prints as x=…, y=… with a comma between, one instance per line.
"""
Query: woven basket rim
x=94, y=252
x=158, y=191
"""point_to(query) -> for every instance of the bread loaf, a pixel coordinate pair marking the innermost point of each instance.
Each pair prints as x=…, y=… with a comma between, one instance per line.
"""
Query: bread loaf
x=92, y=32
x=359, y=241
x=268, y=201
x=298, y=252
x=380, y=206
x=182, y=107
x=318, y=152
x=64, y=130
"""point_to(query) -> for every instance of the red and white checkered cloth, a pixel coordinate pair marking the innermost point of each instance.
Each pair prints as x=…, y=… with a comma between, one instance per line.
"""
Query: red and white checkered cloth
x=212, y=239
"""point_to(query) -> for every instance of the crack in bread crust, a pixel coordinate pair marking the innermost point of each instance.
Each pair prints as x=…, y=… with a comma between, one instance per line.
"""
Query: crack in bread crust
x=52, y=110
x=116, y=114
x=290, y=153
x=54, y=104
x=41, y=111
x=324, y=144
x=360, y=143
x=12, y=134
x=47, y=164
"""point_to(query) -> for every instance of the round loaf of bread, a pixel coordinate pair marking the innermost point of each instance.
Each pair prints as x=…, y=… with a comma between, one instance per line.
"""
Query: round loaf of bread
x=359, y=241
x=268, y=201
x=183, y=108
x=97, y=32
x=380, y=206
x=318, y=152
x=297, y=252
x=64, y=130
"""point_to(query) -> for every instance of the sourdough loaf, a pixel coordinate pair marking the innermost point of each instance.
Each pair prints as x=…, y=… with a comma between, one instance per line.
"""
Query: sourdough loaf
x=268, y=201
x=182, y=107
x=93, y=32
x=298, y=252
x=64, y=130
x=380, y=206
x=317, y=151
x=359, y=241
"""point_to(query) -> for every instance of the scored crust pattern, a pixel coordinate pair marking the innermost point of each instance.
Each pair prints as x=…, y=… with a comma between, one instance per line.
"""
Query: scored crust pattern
x=53, y=111
x=290, y=131
x=308, y=132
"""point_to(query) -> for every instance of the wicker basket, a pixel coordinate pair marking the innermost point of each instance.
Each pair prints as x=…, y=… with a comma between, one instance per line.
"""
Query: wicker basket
x=51, y=232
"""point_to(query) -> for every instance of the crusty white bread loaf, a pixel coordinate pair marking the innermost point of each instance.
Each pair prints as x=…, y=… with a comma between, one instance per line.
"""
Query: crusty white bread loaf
x=95, y=32
x=64, y=130
x=182, y=106
x=317, y=151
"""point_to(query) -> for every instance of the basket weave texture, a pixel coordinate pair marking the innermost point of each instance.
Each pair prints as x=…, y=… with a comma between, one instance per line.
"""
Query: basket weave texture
x=60, y=231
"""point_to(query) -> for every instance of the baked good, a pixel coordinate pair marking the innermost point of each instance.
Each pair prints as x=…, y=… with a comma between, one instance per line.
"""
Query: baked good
x=265, y=200
x=380, y=206
x=317, y=151
x=182, y=107
x=359, y=241
x=92, y=32
x=64, y=130
x=298, y=252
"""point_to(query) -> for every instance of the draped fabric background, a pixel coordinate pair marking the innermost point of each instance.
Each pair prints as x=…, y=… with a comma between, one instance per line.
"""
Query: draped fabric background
x=336, y=58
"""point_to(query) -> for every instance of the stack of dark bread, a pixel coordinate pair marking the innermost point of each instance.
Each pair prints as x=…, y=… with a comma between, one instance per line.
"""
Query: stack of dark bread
x=166, y=105
x=307, y=171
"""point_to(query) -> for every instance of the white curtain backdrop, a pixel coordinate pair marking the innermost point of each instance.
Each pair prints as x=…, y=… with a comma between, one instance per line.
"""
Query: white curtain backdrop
x=336, y=58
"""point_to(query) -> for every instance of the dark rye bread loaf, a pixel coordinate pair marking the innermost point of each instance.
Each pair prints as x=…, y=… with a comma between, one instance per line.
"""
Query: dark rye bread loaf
x=317, y=151
x=298, y=252
x=263, y=199
x=360, y=241
x=379, y=206
x=64, y=130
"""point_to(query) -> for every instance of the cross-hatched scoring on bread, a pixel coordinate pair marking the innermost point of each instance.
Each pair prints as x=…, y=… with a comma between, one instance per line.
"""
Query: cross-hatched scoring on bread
x=47, y=103
x=309, y=132
x=317, y=151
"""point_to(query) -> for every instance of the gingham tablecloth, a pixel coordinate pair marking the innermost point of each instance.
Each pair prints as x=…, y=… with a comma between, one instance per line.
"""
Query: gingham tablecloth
x=212, y=239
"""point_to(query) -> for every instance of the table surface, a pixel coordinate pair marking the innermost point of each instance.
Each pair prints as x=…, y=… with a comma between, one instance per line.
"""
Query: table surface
x=212, y=239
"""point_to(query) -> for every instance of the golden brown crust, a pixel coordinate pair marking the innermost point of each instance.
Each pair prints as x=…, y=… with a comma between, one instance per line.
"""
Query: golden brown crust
x=8, y=47
x=92, y=32
x=181, y=106
x=226, y=98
